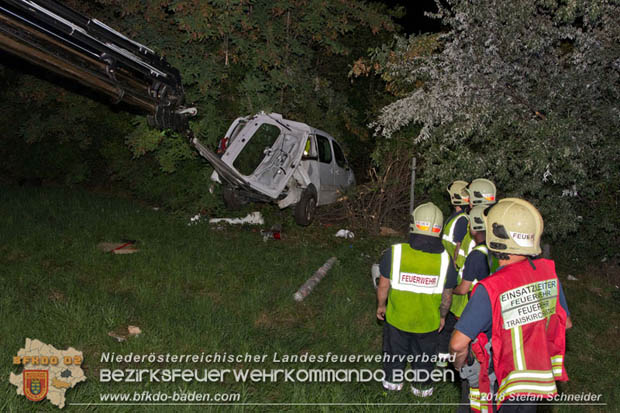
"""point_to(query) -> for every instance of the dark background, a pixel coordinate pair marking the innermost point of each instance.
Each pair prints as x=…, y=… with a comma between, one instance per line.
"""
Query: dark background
x=414, y=21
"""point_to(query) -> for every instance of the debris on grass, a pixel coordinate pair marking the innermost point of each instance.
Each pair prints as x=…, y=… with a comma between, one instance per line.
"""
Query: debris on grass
x=345, y=233
x=572, y=278
x=274, y=233
x=124, y=247
x=194, y=220
x=389, y=232
x=309, y=285
x=267, y=235
x=122, y=334
x=119, y=337
x=254, y=218
x=375, y=275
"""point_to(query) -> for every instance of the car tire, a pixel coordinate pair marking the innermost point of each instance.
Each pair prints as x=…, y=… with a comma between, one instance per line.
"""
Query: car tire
x=231, y=199
x=305, y=209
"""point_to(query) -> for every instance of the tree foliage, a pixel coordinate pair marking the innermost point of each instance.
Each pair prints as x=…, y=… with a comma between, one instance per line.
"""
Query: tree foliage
x=236, y=57
x=241, y=56
x=525, y=93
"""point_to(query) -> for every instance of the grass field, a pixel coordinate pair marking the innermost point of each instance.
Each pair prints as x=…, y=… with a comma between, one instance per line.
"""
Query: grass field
x=202, y=290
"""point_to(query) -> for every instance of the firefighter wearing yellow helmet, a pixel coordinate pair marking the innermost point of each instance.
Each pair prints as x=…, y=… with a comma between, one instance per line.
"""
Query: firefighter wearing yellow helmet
x=522, y=307
x=413, y=298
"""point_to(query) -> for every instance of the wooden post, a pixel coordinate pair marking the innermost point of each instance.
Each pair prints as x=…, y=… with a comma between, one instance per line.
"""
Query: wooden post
x=306, y=289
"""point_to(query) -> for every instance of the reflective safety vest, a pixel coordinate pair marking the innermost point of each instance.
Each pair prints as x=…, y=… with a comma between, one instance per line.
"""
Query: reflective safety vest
x=528, y=334
x=417, y=281
x=447, y=239
x=460, y=301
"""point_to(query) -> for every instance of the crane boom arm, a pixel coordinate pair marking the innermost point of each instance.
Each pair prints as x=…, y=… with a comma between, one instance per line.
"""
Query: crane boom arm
x=58, y=38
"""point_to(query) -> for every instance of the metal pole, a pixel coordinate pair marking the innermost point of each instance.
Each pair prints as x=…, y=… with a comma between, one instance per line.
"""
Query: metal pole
x=412, y=195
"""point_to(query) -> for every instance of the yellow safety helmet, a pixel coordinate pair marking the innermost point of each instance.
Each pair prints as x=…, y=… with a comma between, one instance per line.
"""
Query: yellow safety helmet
x=476, y=218
x=514, y=226
x=458, y=193
x=481, y=192
x=427, y=220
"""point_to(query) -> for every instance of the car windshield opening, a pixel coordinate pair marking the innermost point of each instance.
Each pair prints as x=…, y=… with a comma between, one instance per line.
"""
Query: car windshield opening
x=255, y=150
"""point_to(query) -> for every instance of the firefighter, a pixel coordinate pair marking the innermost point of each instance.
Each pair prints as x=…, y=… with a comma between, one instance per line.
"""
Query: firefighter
x=479, y=192
x=517, y=318
x=455, y=236
x=456, y=225
x=413, y=298
x=479, y=263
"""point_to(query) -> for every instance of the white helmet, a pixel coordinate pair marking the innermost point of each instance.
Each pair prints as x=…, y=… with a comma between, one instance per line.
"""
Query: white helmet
x=427, y=220
x=458, y=193
x=476, y=218
x=481, y=192
x=514, y=226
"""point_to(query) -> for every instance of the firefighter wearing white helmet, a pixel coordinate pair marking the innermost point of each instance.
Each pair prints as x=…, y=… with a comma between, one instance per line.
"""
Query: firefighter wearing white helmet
x=458, y=193
x=455, y=229
x=481, y=192
x=413, y=298
x=523, y=307
x=456, y=240
x=478, y=265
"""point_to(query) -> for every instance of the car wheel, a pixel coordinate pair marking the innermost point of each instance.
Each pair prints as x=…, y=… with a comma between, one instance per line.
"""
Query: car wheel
x=305, y=209
x=231, y=199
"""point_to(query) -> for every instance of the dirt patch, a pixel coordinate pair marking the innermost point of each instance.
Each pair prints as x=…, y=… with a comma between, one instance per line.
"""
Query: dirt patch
x=192, y=289
x=51, y=265
x=56, y=296
x=215, y=297
x=13, y=255
x=285, y=318
x=377, y=342
x=275, y=320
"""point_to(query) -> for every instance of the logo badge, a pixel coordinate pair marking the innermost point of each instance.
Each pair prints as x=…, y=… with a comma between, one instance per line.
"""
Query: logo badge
x=35, y=384
x=423, y=225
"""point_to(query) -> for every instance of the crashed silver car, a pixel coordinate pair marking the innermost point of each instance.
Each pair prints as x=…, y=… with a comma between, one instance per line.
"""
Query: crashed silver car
x=267, y=158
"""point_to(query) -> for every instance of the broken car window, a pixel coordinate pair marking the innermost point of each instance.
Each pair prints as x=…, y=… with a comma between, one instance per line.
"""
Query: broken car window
x=325, y=151
x=340, y=159
x=255, y=150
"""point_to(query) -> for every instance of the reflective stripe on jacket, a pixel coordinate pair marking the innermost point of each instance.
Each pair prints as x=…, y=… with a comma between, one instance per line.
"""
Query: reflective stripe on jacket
x=447, y=239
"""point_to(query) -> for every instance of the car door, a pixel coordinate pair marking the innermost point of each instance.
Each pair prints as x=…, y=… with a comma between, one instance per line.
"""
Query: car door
x=343, y=176
x=327, y=191
x=262, y=156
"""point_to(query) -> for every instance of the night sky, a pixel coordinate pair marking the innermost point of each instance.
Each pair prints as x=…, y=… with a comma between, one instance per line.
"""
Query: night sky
x=414, y=21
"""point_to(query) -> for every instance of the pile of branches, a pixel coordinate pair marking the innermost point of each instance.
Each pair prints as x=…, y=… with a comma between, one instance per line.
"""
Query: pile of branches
x=383, y=201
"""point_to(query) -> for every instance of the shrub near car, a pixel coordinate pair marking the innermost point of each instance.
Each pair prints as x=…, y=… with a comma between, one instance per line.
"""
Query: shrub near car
x=267, y=158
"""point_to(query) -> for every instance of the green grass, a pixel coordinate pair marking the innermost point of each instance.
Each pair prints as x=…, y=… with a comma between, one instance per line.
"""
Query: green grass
x=195, y=289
